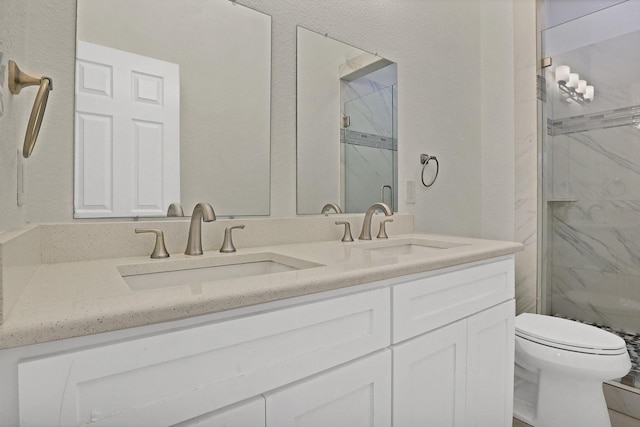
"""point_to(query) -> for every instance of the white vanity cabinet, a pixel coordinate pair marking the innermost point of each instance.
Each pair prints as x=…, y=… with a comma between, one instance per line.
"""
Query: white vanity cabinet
x=459, y=374
x=172, y=377
x=355, y=395
x=434, y=348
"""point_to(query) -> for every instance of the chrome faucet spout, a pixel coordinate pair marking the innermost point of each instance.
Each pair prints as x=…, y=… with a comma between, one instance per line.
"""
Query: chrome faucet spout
x=329, y=207
x=202, y=212
x=365, y=234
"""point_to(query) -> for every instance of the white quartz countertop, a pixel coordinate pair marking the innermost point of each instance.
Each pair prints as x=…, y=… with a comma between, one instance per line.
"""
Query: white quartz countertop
x=71, y=299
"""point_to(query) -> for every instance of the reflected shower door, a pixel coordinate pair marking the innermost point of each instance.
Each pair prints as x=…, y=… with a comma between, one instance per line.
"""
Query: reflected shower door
x=369, y=150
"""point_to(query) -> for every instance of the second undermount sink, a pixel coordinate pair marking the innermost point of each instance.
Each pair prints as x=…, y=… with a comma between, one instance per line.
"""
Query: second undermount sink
x=411, y=247
x=192, y=272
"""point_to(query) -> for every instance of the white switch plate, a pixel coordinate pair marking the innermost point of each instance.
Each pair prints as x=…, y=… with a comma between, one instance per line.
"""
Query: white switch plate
x=411, y=191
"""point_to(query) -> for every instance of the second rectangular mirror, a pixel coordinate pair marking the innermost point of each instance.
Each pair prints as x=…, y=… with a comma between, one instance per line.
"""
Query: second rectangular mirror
x=346, y=126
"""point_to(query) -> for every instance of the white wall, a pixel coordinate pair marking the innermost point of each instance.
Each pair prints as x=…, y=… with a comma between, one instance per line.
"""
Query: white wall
x=13, y=45
x=497, y=95
x=437, y=45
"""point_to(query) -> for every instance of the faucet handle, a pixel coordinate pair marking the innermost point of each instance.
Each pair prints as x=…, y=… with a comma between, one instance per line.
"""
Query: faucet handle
x=160, y=250
x=346, y=237
x=227, y=244
x=382, y=234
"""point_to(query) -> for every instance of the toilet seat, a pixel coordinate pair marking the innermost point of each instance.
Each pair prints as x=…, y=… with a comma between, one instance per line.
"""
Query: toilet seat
x=568, y=335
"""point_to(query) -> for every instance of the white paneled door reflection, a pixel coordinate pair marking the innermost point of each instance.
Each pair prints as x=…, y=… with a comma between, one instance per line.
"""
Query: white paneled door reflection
x=127, y=137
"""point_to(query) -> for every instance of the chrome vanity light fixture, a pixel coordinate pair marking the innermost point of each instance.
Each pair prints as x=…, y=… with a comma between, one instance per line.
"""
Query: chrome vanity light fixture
x=573, y=88
x=18, y=80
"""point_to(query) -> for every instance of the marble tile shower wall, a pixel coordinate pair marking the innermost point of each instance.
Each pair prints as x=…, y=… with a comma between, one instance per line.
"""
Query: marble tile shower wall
x=595, y=272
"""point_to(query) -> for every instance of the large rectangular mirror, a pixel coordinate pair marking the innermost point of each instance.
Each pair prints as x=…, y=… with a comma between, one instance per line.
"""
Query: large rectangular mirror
x=172, y=105
x=346, y=126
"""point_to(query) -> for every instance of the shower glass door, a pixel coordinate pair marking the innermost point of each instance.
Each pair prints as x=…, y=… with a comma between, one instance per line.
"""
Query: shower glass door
x=591, y=170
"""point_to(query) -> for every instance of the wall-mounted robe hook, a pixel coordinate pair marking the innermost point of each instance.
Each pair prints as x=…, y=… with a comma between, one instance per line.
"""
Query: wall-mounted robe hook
x=19, y=80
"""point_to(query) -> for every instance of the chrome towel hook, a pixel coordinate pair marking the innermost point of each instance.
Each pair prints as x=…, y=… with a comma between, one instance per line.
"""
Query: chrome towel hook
x=18, y=80
x=425, y=159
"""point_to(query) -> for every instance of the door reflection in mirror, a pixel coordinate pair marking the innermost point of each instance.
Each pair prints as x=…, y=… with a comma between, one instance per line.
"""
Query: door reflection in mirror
x=222, y=53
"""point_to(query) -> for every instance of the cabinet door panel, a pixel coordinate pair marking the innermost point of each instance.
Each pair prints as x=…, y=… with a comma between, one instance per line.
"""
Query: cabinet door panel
x=426, y=304
x=490, y=365
x=355, y=395
x=429, y=374
x=168, y=378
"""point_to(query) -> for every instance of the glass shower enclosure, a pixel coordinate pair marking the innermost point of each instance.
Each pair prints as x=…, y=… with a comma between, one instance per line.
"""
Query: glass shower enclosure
x=590, y=151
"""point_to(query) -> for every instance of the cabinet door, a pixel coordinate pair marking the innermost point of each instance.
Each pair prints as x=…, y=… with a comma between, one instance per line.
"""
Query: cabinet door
x=490, y=364
x=353, y=395
x=429, y=374
x=249, y=413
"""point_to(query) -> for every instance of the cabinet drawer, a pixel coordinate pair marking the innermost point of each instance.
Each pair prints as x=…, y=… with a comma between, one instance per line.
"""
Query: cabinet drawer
x=169, y=378
x=426, y=304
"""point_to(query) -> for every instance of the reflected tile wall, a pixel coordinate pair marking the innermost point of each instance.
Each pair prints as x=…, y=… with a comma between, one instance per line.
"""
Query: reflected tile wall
x=367, y=169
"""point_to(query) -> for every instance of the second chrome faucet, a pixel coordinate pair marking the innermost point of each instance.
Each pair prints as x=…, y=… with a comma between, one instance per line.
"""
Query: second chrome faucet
x=203, y=212
x=365, y=234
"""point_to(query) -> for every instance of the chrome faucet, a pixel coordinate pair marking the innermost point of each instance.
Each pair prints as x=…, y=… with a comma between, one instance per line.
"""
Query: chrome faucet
x=365, y=234
x=202, y=212
x=330, y=206
x=175, y=209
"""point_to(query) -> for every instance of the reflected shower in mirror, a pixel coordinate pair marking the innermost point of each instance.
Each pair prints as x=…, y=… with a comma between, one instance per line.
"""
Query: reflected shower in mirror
x=172, y=106
x=347, y=133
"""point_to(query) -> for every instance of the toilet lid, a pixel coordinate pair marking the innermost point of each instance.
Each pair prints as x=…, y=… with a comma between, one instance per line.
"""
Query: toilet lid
x=568, y=334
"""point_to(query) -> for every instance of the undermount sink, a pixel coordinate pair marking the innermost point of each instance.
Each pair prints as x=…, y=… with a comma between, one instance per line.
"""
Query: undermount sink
x=411, y=247
x=192, y=272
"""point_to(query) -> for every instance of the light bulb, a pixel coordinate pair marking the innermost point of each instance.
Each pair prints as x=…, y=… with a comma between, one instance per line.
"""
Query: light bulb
x=562, y=73
x=573, y=80
x=582, y=86
x=588, y=93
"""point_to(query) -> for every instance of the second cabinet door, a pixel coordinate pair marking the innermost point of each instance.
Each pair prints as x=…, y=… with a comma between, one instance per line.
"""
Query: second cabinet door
x=458, y=375
x=353, y=395
x=429, y=376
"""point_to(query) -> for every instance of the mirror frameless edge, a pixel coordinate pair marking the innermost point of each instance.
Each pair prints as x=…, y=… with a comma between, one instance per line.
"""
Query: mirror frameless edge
x=346, y=126
x=158, y=120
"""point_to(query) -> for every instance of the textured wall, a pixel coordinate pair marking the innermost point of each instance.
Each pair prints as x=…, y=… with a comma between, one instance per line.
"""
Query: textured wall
x=14, y=110
x=437, y=44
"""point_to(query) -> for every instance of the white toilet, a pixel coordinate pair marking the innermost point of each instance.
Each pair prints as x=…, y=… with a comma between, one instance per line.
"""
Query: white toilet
x=560, y=367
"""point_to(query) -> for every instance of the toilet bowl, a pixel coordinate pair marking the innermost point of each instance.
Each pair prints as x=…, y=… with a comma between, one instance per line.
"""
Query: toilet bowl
x=560, y=367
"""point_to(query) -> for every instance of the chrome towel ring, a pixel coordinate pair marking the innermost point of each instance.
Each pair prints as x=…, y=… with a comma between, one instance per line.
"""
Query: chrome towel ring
x=18, y=80
x=425, y=159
